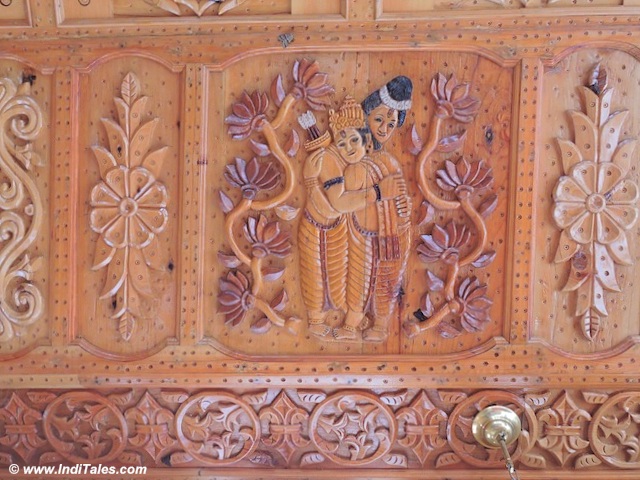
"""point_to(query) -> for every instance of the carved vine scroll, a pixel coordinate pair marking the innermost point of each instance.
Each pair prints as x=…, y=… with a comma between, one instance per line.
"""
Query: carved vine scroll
x=596, y=202
x=465, y=297
x=21, y=209
x=129, y=209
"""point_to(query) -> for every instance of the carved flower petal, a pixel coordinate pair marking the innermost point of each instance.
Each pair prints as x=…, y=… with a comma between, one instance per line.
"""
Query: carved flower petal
x=585, y=175
x=104, y=254
x=460, y=91
x=609, y=174
x=566, y=213
x=619, y=250
x=114, y=235
x=139, y=273
x=101, y=218
x=140, y=179
x=116, y=179
x=116, y=274
x=154, y=218
x=103, y=196
x=153, y=254
x=568, y=190
x=139, y=234
x=582, y=229
x=625, y=192
x=623, y=215
x=440, y=236
x=154, y=197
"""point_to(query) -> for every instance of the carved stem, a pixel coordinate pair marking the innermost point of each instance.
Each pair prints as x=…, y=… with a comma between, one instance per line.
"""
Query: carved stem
x=256, y=270
x=269, y=131
x=478, y=221
x=269, y=312
x=285, y=107
x=414, y=329
x=452, y=274
x=423, y=157
x=229, y=222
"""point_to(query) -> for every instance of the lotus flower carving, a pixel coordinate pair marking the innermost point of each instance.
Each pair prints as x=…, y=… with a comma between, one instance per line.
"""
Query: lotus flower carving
x=472, y=305
x=453, y=99
x=252, y=176
x=444, y=243
x=266, y=238
x=311, y=84
x=235, y=297
x=464, y=177
x=248, y=115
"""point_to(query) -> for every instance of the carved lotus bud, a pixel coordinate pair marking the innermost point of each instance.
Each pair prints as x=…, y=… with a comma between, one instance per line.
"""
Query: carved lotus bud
x=235, y=297
x=453, y=99
x=464, y=177
x=311, y=84
x=444, y=243
x=472, y=305
x=266, y=238
x=248, y=115
x=252, y=177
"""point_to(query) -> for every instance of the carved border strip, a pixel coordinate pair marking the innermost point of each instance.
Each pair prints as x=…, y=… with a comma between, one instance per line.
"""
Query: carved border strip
x=413, y=429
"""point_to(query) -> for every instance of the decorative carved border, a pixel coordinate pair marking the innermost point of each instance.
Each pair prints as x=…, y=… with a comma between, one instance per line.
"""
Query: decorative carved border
x=400, y=429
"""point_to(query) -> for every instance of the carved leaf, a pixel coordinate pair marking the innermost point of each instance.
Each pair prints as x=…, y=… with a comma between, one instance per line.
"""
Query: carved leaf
x=567, y=248
x=126, y=326
x=586, y=461
x=434, y=283
x=271, y=274
x=396, y=460
x=311, y=396
x=611, y=134
x=590, y=324
x=447, y=330
x=166, y=5
x=174, y=396
x=229, y=5
x=277, y=91
x=488, y=206
x=130, y=88
x=484, y=259
x=451, y=143
x=598, y=79
x=537, y=399
x=414, y=142
x=452, y=398
x=225, y=202
x=394, y=398
x=229, y=261
x=312, y=459
x=50, y=457
x=293, y=144
x=570, y=155
x=121, y=399
x=533, y=461
x=426, y=306
x=426, y=212
x=447, y=459
x=279, y=302
x=624, y=154
x=130, y=458
x=41, y=397
x=596, y=398
x=261, y=326
x=260, y=149
x=255, y=398
x=262, y=458
x=287, y=212
x=179, y=458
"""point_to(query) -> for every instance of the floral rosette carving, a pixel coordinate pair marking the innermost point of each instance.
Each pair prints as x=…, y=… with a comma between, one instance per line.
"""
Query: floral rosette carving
x=129, y=210
x=615, y=431
x=20, y=428
x=284, y=426
x=85, y=427
x=595, y=203
x=22, y=211
x=242, y=291
x=458, y=302
x=217, y=428
x=352, y=429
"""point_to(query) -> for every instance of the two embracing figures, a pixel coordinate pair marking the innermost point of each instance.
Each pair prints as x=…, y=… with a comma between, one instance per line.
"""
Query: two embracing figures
x=355, y=235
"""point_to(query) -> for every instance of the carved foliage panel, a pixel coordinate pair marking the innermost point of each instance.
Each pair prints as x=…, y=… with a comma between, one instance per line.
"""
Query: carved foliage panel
x=283, y=266
x=129, y=194
x=400, y=429
x=25, y=166
x=588, y=203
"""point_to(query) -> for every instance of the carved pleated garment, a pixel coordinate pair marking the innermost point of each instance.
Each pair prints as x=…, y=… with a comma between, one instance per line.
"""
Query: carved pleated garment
x=323, y=264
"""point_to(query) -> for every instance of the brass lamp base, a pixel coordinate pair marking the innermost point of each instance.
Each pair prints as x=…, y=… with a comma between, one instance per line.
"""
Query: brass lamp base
x=495, y=424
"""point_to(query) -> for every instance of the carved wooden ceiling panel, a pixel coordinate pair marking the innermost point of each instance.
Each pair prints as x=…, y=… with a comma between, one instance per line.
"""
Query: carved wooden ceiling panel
x=304, y=237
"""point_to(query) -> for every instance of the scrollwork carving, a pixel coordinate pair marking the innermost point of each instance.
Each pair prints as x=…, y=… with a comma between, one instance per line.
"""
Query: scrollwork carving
x=22, y=211
x=20, y=428
x=284, y=426
x=596, y=202
x=129, y=210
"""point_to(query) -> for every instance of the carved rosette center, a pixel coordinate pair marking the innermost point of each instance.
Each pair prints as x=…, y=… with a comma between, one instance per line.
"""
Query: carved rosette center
x=596, y=203
x=128, y=207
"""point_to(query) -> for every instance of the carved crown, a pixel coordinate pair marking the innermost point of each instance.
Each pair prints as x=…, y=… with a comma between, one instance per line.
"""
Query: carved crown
x=350, y=114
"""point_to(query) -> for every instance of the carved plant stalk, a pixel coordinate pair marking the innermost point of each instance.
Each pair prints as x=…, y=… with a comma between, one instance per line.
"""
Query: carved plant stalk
x=595, y=202
x=249, y=116
x=464, y=179
x=21, y=302
x=129, y=210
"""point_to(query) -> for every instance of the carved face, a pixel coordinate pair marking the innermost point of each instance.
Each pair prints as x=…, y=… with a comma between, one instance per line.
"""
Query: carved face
x=382, y=122
x=350, y=145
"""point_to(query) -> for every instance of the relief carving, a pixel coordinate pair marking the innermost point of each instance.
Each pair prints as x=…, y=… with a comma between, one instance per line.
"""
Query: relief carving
x=464, y=303
x=129, y=210
x=197, y=7
x=596, y=202
x=21, y=209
